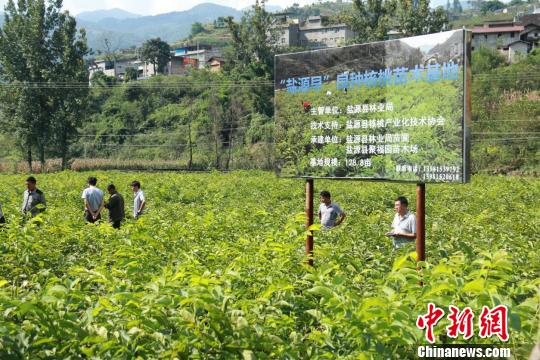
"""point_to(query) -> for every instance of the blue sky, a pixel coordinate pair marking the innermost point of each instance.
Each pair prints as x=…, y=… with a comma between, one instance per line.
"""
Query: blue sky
x=153, y=7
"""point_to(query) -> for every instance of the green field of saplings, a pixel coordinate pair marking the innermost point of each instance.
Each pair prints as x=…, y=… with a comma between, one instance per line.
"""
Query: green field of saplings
x=215, y=269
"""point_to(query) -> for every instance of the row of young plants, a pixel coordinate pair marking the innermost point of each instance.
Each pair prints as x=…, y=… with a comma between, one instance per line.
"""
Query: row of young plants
x=216, y=269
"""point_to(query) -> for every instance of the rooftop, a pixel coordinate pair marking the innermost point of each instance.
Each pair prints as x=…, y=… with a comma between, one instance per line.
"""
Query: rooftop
x=501, y=29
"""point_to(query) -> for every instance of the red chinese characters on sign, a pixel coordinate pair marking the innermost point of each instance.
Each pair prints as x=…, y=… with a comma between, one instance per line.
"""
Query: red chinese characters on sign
x=460, y=323
x=491, y=322
x=494, y=322
x=429, y=320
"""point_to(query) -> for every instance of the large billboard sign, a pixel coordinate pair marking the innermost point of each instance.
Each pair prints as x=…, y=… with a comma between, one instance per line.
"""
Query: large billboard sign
x=393, y=110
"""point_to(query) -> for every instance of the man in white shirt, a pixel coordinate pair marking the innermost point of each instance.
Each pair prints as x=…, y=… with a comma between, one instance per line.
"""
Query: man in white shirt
x=404, y=224
x=93, y=201
x=329, y=212
x=139, y=202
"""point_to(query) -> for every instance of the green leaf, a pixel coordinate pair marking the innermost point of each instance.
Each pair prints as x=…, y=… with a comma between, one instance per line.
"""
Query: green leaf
x=315, y=313
x=248, y=355
x=323, y=291
x=475, y=286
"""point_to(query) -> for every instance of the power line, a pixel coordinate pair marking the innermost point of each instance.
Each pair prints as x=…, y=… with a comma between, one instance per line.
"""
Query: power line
x=502, y=120
x=505, y=133
x=524, y=139
x=161, y=134
x=507, y=139
x=194, y=144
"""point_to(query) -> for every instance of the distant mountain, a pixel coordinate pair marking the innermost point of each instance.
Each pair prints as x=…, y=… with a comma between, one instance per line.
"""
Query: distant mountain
x=465, y=4
x=99, y=15
x=269, y=8
x=170, y=27
x=273, y=8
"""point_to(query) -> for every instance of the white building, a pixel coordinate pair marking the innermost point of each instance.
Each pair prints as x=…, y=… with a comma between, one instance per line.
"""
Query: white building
x=312, y=33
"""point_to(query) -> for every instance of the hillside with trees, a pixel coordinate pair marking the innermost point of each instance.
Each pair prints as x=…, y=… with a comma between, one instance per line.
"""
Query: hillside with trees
x=224, y=120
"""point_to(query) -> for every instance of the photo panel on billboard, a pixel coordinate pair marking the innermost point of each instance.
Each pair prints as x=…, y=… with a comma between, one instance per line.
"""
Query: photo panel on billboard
x=391, y=110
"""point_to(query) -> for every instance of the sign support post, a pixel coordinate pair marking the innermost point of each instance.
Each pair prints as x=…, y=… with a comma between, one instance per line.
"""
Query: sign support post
x=309, y=220
x=420, y=222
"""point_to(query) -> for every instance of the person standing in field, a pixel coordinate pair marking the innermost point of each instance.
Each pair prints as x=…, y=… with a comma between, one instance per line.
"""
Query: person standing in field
x=115, y=205
x=330, y=214
x=404, y=224
x=33, y=198
x=93, y=201
x=139, y=202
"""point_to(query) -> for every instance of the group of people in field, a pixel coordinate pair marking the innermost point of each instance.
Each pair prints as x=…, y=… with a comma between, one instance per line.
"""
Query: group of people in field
x=93, y=198
x=330, y=214
x=403, y=226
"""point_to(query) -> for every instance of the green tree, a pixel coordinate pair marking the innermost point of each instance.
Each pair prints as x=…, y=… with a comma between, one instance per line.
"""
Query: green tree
x=196, y=28
x=491, y=5
x=251, y=56
x=70, y=106
x=39, y=48
x=372, y=19
x=131, y=74
x=457, y=8
x=254, y=43
x=156, y=52
x=486, y=59
x=417, y=18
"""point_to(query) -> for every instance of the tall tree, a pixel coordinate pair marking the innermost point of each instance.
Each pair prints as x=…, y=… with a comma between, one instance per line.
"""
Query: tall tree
x=372, y=19
x=39, y=48
x=254, y=43
x=156, y=52
x=457, y=8
x=415, y=17
x=68, y=49
x=252, y=54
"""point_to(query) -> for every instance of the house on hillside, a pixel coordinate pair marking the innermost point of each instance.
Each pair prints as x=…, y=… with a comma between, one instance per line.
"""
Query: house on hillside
x=215, y=63
x=118, y=68
x=114, y=68
x=202, y=53
x=181, y=65
x=182, y=59
x=513, y=38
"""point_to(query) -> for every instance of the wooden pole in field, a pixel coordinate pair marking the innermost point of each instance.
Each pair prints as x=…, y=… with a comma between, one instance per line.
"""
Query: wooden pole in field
x=420, y=222
x=309, y=220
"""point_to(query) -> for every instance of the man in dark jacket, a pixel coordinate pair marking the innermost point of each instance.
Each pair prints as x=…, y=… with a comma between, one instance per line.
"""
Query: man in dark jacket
x=33, y=198
x=115, y=206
